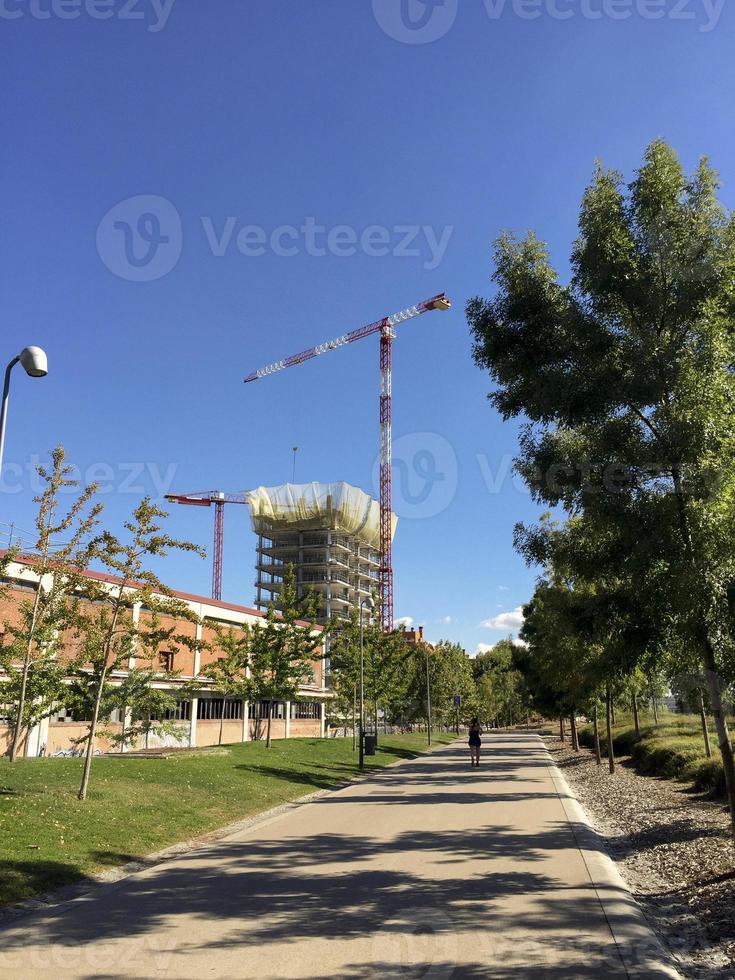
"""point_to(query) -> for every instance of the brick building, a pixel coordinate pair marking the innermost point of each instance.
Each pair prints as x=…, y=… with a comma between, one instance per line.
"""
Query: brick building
x=199, y=716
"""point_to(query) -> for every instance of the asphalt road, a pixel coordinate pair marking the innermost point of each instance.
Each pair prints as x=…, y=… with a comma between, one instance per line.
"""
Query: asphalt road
x=431, y=869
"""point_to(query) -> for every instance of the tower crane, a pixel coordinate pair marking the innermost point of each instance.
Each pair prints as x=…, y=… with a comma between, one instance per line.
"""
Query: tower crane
x=384, y=327
x=216, y=499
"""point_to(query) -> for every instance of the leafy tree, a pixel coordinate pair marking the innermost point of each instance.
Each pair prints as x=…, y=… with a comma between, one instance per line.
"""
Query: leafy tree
x=344, y=677
x=34, y=678
x=625, y=377
x=228, y=672
x=146, y=707
x=104, y=620
x=282, y=649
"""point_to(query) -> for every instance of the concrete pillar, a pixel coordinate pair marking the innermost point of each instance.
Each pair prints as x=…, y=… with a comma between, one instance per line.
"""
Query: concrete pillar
x=136, y=620
x=37, y=737
x=193, y=723
x=322, y=718
x=288, y=719
x=245, y=721
x=197, y=650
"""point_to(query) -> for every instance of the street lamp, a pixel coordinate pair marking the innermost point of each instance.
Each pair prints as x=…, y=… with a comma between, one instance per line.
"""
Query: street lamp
x=369, y=602
x=35, y=364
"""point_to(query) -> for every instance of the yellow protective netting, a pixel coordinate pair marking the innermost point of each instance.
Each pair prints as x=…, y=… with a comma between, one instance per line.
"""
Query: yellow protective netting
x=338, y=504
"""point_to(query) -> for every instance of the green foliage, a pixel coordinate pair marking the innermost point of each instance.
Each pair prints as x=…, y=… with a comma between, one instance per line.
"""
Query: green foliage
x=283, y=648
x=34, y=679
x=103, y=616
x=624, y=378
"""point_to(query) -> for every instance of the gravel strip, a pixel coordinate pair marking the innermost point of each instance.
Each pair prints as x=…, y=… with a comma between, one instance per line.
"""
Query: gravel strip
x=674, y=850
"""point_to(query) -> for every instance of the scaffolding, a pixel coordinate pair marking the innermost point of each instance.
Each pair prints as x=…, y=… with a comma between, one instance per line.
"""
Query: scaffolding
x=329, y=532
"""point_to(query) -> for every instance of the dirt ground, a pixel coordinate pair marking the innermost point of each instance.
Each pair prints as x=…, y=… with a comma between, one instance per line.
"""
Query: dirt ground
x=673, y=848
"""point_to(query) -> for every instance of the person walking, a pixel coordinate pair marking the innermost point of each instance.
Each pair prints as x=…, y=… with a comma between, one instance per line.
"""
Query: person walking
x=475, y=741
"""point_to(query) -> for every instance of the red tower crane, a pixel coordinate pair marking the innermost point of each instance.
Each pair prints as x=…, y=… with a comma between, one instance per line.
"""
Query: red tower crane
x=218, y=499
x=385, y=328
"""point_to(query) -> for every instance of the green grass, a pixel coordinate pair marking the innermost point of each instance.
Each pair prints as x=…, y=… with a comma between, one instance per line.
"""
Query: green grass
x=49, y=838
x=673, y=749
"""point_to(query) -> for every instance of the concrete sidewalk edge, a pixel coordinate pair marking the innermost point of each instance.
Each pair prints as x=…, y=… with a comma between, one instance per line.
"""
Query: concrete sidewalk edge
x=77, y=889
x=642, y=952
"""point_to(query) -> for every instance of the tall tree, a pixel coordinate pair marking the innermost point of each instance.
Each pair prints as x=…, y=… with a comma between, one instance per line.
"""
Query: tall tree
x=283, y=648
x=104, y=618
x=63, y=549
x=228, y=672
x=625, y=376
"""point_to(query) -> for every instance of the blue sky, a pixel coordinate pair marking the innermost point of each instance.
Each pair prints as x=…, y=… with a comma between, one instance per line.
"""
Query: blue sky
x=288, y=171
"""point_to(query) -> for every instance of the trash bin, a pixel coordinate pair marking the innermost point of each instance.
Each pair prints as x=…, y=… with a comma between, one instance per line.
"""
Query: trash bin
x=370, y=744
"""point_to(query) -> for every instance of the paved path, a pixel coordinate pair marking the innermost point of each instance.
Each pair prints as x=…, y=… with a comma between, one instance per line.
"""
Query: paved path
x=431, y=869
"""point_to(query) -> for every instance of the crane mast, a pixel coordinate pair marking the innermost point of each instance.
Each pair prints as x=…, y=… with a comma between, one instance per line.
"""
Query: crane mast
x=385, y=327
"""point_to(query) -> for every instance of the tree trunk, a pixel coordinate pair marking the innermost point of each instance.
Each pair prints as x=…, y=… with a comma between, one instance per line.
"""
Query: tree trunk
x=723, y=735
x=598, y=754
x=82, y=794
x=268, y=737
x=18, y=729
x=705, y=730
x=636, y=719
x=575, y=739
x=561, y=728
x=612, y=708
x=609, y=723
x=654, y=702
x=376, y=724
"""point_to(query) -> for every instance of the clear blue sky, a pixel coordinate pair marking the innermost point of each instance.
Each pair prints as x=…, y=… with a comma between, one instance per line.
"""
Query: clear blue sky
x=273, y=113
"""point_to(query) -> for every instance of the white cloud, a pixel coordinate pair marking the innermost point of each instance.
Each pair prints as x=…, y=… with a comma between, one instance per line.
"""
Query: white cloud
x=406, y=621
x=505, y=621
x=504, y=588
x=483, y=648
x=445, y=619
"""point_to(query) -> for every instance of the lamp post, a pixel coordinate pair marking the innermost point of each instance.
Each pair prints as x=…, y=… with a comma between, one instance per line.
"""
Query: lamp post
x=371, y=605
x=428, y=695
x=35, y=365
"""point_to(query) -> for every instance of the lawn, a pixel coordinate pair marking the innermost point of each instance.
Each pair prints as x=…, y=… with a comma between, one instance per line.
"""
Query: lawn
x=137, y=806
x=673, y=748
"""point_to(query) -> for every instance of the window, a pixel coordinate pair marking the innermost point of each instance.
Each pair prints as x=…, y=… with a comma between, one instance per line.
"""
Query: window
x=259, y=709
x=305, y=709
x=211, y=709
x=182, y=712
x=166, y=660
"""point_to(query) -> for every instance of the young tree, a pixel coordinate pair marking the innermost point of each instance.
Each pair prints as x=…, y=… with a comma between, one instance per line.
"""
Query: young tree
x=104, y=614
x=62, y=551
x=625, y=376
x=228, y=672
x=283, y=648
x=344, y=677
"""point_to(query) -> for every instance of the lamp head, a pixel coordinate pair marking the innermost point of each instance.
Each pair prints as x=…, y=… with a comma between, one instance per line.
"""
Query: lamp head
x=369, y=602
x=34, y=361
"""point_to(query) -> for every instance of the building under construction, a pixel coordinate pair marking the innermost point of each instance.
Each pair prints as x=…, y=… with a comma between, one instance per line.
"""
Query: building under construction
x=329, y=532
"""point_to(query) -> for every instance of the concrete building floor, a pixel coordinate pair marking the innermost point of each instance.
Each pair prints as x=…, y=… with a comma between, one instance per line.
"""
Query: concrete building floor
x=430, y=869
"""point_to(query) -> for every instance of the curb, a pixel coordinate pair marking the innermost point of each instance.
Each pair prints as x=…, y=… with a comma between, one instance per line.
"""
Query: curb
x=643, y=954
x=68, y=893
